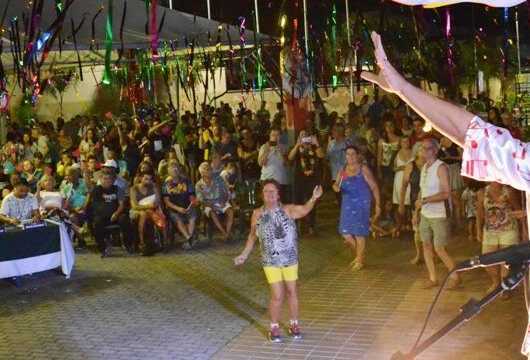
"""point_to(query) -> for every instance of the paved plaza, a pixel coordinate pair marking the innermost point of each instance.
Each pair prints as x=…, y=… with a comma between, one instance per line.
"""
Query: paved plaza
x=197, y=305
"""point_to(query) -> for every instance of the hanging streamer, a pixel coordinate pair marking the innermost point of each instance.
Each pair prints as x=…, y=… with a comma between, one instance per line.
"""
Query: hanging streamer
x=334, y=77
x=93, y=28
x=122, y=24
x=230, y=53
x=74, y=38
x=108, y=46
x=242, y=28
x=505, y=42
x=154, y=31
x=450, y=43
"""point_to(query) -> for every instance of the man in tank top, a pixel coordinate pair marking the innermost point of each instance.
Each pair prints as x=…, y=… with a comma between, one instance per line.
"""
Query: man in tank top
x=431, y=205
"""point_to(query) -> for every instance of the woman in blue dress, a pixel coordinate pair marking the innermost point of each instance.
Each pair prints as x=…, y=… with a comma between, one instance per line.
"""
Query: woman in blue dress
x=357, y=185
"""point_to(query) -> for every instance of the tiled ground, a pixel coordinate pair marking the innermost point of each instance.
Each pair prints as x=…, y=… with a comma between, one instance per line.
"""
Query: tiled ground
x=197, y=305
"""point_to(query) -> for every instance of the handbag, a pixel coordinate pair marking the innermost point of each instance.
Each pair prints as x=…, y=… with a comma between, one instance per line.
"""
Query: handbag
x=158, y=218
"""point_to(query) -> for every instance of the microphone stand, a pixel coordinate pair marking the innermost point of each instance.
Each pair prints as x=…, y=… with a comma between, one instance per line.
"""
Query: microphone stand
x=468, y=311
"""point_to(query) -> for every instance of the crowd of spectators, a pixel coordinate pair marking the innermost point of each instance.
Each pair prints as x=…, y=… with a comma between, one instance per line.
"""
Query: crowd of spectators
x=155, y=174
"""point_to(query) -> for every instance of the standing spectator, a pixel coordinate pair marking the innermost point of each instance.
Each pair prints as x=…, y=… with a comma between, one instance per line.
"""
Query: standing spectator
x=451, y=155
x=106, y=206
x=274, y=225
x=307, y=155
x=272, y=159
x=214, y=196
x=418, y=134
x=469, y=202
x=497, y=226
x=411, y=183
x=403, y=157
x=433, y=225
x=250, y=171
x=357, y=185
x=387, y=148
x=336, y=150
x=507, y=122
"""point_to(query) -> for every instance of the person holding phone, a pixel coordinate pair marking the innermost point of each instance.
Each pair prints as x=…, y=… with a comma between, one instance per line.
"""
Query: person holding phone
x=272, y=158
x=307, y=157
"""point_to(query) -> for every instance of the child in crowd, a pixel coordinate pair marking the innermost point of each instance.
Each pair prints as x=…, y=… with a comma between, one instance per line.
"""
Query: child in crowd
x=386, y=225
x=229, y=175
x=469, y=199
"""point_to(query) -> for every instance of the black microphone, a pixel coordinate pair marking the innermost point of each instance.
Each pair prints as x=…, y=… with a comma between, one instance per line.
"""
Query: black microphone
x=514, y=254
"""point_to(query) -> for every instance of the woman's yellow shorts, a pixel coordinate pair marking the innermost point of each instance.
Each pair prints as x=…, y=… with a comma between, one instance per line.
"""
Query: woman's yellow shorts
x=276, y=274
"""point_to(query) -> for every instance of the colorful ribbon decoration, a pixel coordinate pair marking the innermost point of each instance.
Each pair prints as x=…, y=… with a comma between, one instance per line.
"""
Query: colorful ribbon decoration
x=122, y=24
x=242, y=28
x=154, y=31
x=93, y=28
x=108, y=46
x=449, y=37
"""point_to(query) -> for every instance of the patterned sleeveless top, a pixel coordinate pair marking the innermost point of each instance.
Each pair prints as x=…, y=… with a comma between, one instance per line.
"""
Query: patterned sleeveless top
x=497, y=213
x=278, y=238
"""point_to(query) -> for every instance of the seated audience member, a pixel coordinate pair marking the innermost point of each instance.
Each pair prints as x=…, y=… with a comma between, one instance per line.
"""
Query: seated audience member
x=179, y=197
x=106, y=206
x=30, y=174
x=112, y=167
x=214, y=196
x=51, y=201
x=19, y=205
x=64, y=163
x=146, y=208
x=75, y=191
x=229, y=175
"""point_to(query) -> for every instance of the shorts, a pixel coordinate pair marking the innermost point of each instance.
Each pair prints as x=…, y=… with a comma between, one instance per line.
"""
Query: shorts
x=190, y=215
x=434, y=230
x=499, y=239
x=276, y=274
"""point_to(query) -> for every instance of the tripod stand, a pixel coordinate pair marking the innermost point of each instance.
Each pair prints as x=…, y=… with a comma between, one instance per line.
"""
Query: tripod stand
x=469, y=310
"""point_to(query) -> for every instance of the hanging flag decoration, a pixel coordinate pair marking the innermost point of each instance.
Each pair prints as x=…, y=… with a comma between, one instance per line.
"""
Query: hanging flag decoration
x=107, y=75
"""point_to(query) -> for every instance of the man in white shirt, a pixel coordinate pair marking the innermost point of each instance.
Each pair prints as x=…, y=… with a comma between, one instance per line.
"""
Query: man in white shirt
x=272, y=159
x=20, y=205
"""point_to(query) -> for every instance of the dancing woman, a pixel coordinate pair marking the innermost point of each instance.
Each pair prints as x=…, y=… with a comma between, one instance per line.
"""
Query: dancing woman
x=357, y=185
x=274, y=225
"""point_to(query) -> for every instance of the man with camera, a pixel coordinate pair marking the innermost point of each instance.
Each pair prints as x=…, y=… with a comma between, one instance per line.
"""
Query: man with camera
x=272, y=158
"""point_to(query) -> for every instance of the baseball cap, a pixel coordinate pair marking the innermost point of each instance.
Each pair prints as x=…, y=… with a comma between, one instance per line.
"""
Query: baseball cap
x=111, y=164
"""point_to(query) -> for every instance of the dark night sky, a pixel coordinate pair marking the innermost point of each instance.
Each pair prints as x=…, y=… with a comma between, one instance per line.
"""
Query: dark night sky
x=228, y=11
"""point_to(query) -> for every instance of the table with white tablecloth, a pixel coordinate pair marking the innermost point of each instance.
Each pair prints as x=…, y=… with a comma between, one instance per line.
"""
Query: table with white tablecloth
x=35, y=249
